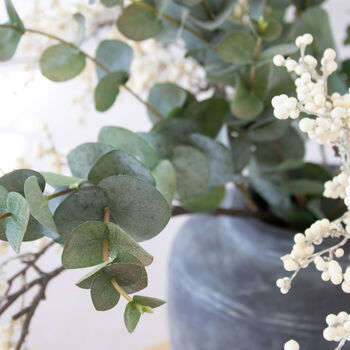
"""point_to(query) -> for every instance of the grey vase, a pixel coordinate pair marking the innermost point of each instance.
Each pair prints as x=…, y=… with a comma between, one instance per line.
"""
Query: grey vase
x=223, y=294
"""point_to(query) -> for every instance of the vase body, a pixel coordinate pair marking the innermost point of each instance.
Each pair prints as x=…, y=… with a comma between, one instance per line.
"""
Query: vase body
x=223, y=294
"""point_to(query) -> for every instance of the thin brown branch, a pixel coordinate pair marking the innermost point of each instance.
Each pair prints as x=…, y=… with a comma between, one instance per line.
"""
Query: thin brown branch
x=207, y=9
x=4, y=216
x=61, y=193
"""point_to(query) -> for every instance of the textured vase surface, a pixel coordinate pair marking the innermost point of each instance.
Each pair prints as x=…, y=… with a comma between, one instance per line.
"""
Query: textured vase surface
x=223, y=294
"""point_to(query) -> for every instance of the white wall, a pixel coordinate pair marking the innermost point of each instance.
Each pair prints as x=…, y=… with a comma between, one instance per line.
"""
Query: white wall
x=67, y=319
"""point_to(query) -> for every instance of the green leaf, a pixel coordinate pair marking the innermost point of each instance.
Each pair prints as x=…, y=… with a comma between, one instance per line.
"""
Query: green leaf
x=138, y=23
x=119, y=163
x=131, y=317
x=176, y=130
x=147, y=301
x=303, y=186
x=268, y=186
x=38, y=203
x=237, y=47
x=82, y=158
x=281, y=49
x=16, y=225
x=115, y=55
x=289, y=148
x=165, y=176
x=165, y=97
x=110, y=3
x=121, y=243
x=85, y=281
x=312, y=171
x=61, y=62
x=245, y=104
x=192, y=171
x=124, y=274
x=103, y=294
x=129, y=142
x=84, y=246
x=206, y=202
x=80, y=19
x=210, y=114
x=14, y=181
x=10, y=37
x=269, y=31
x=84, y=204
x=61, y=180
x=107, y=90
x=221, y=167
x=241, y=153
x=296, y=218
x=162, y=146
x=136, y=206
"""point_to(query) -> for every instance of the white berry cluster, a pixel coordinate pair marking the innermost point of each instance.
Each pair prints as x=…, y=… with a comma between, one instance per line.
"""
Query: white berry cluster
x=332, y=113
x=330, y=123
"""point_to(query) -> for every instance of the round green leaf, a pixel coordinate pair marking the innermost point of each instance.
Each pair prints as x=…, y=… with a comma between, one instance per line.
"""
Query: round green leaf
x=220, y=159
x=9, y=40
x=38, y=203
x=237, y=47
x=165, y=176
x=162, y=146
x=206, y=202
x=103, y=294
x=115, y=55
x=129, y=142
x=82, y=158
x=125, y=248
x=124, y=274
x=165, y=97
x=281, y=49
x=138, y=23
x=136, y=206
x=61, y=62
x=192, y=171
x=84, y=246
x=16, y=225
x=131, y=317
x=245, y=104
x=86, y=281
x=119, y=163
x=107, y=90
x=84, y=204
x=61, y=180
x=14, y=181
x=147, y=301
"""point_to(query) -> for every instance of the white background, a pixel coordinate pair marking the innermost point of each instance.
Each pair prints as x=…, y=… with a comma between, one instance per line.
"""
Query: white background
x=67, y=320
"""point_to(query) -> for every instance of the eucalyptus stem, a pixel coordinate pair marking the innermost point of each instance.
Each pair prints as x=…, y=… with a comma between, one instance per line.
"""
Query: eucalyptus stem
x=61, y=193
x=5, y=216
x=255, y=58
x=91, y=58
x=105, y=252
x=171, y=19
x=207, y=9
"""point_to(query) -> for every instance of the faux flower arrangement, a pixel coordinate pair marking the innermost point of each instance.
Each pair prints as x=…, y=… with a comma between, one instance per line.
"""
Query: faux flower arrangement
x=124, y=188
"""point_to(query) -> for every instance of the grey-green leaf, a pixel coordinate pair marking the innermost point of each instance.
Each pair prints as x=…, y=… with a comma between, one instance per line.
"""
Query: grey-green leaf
x=38, y=203
x=61, y=62
x=82, y=158
x=165, y=176
x=119, y=163
x=136, y=206
x=115, y=55
x=16, y=225
x=107, y=90
x=147, y=301
x=138, y=23
x=129, y=142
x=61, y=180
x=192, y=171
x=86, y=280
x=237, y=47
x=103, y=294
x=84, y=246
x=131, y=317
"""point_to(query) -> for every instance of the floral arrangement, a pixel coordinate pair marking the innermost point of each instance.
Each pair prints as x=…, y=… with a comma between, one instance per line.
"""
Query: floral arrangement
x=124, y=188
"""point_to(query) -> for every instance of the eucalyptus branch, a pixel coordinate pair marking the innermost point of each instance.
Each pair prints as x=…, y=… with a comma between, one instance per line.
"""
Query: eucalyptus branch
x=91, y=58
x=207, y=9
x=105, y=246
x=61, y=193
x=253, y=68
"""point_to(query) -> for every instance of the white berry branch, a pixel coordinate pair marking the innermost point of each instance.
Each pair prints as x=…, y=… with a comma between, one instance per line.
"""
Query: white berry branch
x=329, y=122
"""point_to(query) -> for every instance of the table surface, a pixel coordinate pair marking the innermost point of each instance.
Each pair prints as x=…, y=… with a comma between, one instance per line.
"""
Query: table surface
x=161, y=346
